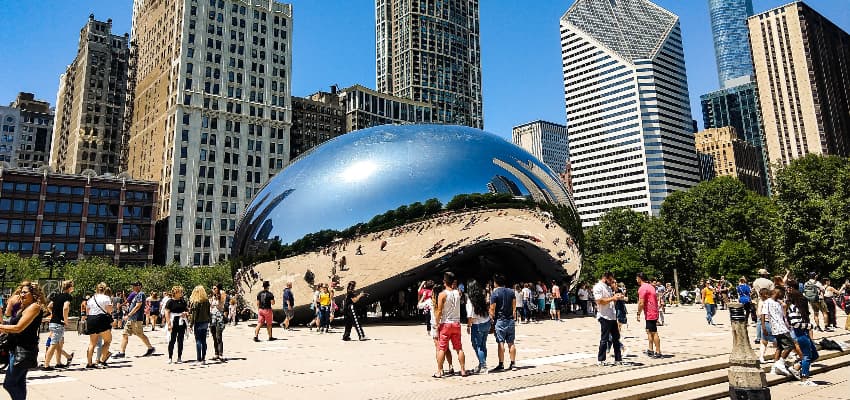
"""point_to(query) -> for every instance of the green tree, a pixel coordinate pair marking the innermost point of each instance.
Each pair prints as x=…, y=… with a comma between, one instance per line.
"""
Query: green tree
x=812, y=195
x=733, y=258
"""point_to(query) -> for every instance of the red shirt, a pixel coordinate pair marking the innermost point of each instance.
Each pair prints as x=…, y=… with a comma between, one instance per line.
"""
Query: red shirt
x=650, y=301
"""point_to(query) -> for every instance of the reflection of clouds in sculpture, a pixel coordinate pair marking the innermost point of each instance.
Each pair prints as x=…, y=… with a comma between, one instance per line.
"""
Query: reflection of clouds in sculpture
x=358, y=171
x=437, y=195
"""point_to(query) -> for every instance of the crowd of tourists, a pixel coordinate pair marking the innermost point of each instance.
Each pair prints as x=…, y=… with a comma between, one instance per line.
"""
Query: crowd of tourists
x=205, y=312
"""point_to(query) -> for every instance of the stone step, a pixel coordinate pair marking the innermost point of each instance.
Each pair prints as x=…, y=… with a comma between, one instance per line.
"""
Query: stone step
x=827, y=362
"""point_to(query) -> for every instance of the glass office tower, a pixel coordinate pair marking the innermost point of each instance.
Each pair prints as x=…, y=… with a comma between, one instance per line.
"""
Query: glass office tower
x=731, y=40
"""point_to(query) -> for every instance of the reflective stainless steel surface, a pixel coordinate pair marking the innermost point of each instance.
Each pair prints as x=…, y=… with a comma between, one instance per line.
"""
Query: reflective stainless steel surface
x=416, y=200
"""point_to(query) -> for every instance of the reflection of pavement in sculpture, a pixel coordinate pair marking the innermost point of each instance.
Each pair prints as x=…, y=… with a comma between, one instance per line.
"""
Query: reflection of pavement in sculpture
x=411, y=245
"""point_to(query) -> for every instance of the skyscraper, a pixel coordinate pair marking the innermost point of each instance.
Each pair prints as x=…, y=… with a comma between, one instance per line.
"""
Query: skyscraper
x=211, y=115
x=29, y=130
x=545, y=140
x=89, y=127
x=803, y=78
x=628, y=112
x=729, y=29
x=430, y=51
x=731, y=156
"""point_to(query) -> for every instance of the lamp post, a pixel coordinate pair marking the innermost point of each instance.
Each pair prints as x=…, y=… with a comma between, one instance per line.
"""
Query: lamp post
x=53, y=259
x=746, y=378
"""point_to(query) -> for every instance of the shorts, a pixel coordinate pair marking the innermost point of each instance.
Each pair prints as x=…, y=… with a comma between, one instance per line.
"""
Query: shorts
x=505, y=331
x=818, y=306
x=288, y=312
x=784, y=342
x=133, y=328
x=265, y=316
x=770, y=338
x=541, y=304
x=652, y=325
x=58, y=332
x=154, y=313
x=449, y=332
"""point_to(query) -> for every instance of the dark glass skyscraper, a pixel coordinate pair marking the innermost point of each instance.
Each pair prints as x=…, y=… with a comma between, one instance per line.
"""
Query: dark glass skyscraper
x=731, y=38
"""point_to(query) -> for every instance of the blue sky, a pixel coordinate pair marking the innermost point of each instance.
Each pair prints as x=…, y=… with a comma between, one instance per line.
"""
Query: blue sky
x=334, y=43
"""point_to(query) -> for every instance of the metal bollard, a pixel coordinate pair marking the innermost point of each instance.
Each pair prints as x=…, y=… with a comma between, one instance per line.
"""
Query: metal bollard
x=746, y=378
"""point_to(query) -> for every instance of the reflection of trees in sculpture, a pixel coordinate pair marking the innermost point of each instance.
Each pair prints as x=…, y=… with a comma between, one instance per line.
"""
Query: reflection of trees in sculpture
x=563, y=215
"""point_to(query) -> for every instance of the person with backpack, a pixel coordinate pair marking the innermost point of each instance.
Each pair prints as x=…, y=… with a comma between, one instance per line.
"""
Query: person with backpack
x=813, y=292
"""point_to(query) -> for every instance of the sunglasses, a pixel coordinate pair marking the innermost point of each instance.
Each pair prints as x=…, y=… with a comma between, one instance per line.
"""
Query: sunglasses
x=24, y=292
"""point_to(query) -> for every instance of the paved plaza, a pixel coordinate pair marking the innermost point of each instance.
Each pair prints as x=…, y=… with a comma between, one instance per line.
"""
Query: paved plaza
x=556, y=360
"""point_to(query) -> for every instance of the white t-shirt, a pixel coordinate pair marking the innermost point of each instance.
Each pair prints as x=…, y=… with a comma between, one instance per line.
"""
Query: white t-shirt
x=526, y=294
x=475, y=318
x=582, y=294
x=98, y=303
x=600, y=291
x=540, y=294
x=776, y=315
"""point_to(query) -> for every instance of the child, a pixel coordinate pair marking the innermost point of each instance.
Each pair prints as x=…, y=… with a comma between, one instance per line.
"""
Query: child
x=232, y=311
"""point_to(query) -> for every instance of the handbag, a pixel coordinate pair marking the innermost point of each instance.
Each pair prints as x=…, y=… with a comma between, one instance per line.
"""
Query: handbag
x=98, y=323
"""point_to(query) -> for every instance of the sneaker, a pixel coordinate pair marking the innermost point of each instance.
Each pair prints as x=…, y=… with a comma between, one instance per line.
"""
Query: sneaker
x=618, y=364
x=808, y=383
x=795, y=373
x=482, y=369
x=149, y=352
x=512, y=367
x=256, y=339
x=601, y=363
x=119, y=354
x=658, y=356
x=347, y=339
x=499, y=368
x=169, y=361
x=272, y=339
x=649, y=353
x=179, y=361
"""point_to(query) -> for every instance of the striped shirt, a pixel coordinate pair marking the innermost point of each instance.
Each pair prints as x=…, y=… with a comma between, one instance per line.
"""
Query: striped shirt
x=796, y=318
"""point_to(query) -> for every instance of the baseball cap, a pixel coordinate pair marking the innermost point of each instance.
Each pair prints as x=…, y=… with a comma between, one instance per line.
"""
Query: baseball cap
x=763, y=272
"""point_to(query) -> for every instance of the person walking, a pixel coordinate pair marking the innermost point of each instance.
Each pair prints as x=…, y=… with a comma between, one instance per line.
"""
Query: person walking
x=583, y=298
x=288, y=300
x=503, y=311
x=154, y=307
x=350, y=312
x=448, y=320
x=813, y=292
x=324, y=309
x=555, y=307
x=648, y=304
x=478, y=326
x=265, y=301
x=60, y=308
x=605, y=314
x=708, y=301
x=200, y=316
x=798, y=318
x=829, y=295
x=99, y=325
x=23, y=330
x=176, y=312
x=134, y=321
x=218, y=302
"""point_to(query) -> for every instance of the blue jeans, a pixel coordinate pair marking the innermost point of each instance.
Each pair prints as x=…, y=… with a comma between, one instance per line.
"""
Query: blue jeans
x=201, y=329
x=710, y=310
x=479, y=342
x=325, y=317
x=810, y=352
x=16, y=380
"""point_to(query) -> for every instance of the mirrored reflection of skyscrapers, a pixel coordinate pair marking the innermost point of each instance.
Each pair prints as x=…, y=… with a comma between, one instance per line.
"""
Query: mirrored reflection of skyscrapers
x=631, y=138
x=731, y=46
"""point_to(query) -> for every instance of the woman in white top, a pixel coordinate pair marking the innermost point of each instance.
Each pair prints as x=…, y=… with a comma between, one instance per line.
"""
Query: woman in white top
x=478, y=327
x=829, y=296
x=98, y=326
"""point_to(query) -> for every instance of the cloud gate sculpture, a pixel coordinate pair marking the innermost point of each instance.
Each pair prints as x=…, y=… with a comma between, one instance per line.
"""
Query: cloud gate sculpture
x=394, y=205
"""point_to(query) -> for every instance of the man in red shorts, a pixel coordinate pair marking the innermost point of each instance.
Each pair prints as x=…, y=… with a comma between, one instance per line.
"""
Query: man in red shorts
x=265, y=301
x=447, y=315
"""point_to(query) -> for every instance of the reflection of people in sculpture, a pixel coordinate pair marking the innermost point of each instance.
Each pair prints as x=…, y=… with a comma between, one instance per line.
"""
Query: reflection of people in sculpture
x=383, y=245
x=350, y=312
x=342, y=263
x=359, y=250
